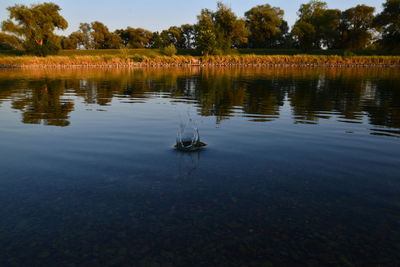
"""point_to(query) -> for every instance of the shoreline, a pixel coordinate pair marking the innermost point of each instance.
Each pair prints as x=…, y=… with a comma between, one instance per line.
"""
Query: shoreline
x=119, y=61
x=167, y=65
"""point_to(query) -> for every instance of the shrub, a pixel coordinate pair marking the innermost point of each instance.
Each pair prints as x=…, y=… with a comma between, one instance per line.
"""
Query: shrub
x=169, y=50
x=124, y=53
x=137, y=58
x=348, y=53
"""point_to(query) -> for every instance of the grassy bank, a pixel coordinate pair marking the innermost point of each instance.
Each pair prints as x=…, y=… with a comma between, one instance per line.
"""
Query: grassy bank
x=156, y=59
x=192, y=52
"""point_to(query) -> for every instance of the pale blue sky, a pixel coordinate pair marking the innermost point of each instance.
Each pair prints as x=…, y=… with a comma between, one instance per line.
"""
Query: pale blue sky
x=161, y=14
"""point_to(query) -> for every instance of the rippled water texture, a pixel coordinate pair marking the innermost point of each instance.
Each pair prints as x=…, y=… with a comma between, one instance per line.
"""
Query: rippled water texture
x=301, y=167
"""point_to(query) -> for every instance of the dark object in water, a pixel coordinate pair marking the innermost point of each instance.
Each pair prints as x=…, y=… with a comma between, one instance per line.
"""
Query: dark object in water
x=188, y=138
x=189, y=146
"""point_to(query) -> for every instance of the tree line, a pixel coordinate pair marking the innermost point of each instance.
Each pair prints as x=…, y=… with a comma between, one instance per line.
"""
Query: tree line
x=216, y=31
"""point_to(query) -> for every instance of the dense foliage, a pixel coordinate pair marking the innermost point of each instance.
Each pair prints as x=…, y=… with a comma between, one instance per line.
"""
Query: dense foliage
x=216, y=32
x=389, y=24
x=267, y=27
x=35, y=27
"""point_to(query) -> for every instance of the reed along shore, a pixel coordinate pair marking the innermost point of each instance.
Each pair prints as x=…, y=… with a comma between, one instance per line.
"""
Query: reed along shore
x=225, y=60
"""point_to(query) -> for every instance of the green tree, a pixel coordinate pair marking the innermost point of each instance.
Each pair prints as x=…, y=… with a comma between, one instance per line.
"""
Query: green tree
x=356, y=27
x=206, y=40
x=317, y=26
x=388, y=22
x=102, y=38
x=239, y=33
x=284, y=39
x=188, y=34
x=9, y=42
x=327, y=28
x=304, y=33
x=169, y=50
x=264, y=23
x=67, y=43
x=156, y=41
x=74, y=41
x=224, y=19
x=135, y=37
x=230, y=31
x=220, y=30
x=86, y=37
x=35, y=25
x=173, y=36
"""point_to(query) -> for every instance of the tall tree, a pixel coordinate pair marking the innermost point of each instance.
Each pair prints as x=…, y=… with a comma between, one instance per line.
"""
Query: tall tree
x=94, y=35
x=284, y=39
x=68, y=43
x=264, y=23
x=327, y=28
x=356, y=27
x=221, y=29
x=230, y=31
x=206, y=40
x=240, y=33
x=224, y=19
x=35, y=25
x=135, y=37
x=317, y=26
x=103, y=38
x=173, y=35
x=86, y=37
x=75, y=40
x=305, y=35
x=388, y=21
x=188, y=34
x=156, y=41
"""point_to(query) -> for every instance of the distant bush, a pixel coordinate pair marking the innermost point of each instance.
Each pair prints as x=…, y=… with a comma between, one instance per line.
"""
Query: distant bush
x=348, y=53
x=124, y=53
x=137, y=58
x=169, y=50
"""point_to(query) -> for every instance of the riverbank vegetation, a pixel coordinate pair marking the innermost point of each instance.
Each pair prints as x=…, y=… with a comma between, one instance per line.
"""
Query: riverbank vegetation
x=137, y=60
x=262, y=31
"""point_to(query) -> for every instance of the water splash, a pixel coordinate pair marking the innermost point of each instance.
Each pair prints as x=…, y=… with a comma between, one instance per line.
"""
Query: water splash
x=188, y=137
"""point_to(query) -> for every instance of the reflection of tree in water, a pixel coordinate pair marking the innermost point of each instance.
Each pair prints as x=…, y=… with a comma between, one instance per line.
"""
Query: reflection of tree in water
x=383, y=106
x=41, y=102
x=264, y=97
x=139, y=83
x=347, y=96
x=221, y=92
x=7, y=87
x=310, y=98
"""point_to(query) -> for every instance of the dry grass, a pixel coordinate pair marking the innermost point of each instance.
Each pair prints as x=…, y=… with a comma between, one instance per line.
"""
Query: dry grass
x=122, y=58
x=303, y=60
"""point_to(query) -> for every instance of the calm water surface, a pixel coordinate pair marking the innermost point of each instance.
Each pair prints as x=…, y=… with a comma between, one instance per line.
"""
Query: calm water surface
x=302, y=167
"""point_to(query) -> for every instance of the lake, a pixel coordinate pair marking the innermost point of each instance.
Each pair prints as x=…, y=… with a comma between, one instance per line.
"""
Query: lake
x=301, y=167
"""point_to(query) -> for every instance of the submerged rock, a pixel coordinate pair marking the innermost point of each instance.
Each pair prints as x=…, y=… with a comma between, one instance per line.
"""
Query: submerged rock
x=190, y=146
